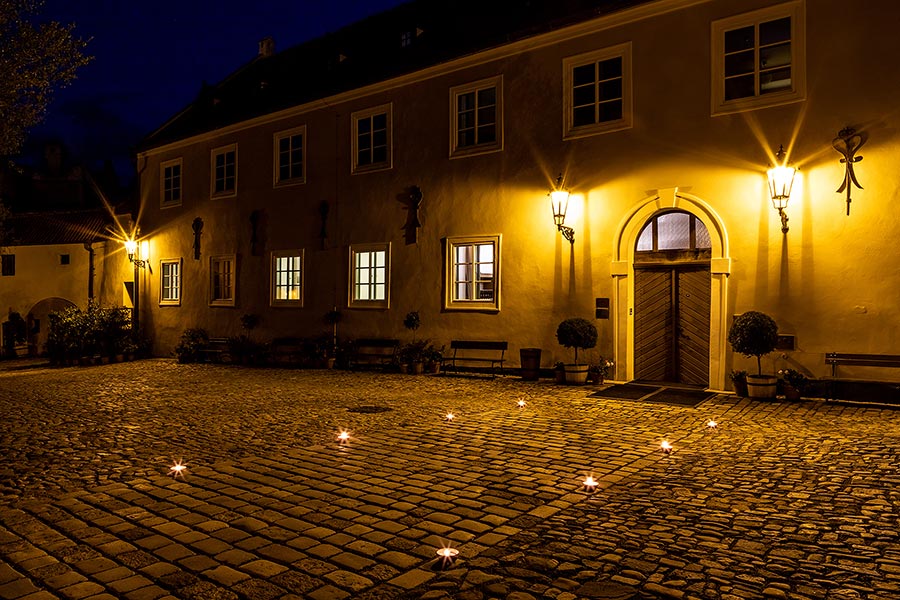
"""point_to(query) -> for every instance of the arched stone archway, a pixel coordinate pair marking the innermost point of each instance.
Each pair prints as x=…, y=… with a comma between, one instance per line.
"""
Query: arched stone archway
x=622, y=269
x=39, y=323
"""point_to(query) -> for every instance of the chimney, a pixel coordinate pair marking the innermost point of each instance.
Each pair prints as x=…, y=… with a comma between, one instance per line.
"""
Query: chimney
x=266, y=47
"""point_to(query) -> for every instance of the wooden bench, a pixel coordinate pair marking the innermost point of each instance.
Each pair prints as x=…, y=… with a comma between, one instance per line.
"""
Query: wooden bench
x=836, y=359
x=477, y=352
x=373, y=351
x=291, y=351
x=216, y=350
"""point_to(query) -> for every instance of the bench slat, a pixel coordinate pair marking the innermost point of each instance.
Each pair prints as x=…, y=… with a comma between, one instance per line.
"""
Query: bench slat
x=477, y=345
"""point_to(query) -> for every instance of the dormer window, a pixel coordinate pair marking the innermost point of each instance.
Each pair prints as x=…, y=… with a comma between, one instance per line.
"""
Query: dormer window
x=406, y=39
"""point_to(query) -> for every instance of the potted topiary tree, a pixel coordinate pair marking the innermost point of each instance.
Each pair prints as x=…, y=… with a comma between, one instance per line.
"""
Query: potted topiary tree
x=576, y=333
x=755, y=334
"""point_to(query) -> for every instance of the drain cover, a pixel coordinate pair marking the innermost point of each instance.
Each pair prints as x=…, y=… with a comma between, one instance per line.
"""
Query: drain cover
x=368, y=409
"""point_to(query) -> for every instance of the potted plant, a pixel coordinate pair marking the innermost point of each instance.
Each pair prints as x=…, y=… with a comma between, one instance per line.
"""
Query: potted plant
x=599, y=371
x=576, y=333
x=559, y=372
x=794, y=383
x=755, y=334
x=739, y=382
x=433, y=358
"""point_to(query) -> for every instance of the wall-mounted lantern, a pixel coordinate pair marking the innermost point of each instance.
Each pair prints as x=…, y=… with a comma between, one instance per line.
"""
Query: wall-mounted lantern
x=131, y=247
x=781, y=180
x=559, y=203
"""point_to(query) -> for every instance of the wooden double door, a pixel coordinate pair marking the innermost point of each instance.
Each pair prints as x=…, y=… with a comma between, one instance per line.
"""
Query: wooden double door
x=671, y=323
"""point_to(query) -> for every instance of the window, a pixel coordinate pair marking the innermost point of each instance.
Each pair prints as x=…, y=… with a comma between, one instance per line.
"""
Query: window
x=8, y=265
x=287, y=278
x=290, y=157
x=473, y=273
x=758, y=59
x=370, y=275
x=170, y=183
x=170, y=282
x=674, y=230
x=64, y=259
x=406, y=39
x=372, y=139
x=597, y=92
x=224, y=171
x=476, y=111
x=221, y=280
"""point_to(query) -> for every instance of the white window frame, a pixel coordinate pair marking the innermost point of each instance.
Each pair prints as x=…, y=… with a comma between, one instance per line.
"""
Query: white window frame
x=276, y=170
x=355, y=118
x=355, y=250
x=179, y=264
x=212, y=171
x=570, y=131
x=456, y=151
x=273, y=278
x=213, y=260
x=450, y=245
x=796, y=11
x=169, y=164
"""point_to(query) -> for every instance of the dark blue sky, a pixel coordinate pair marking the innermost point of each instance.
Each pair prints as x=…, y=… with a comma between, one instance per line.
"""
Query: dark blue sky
x=150, y=59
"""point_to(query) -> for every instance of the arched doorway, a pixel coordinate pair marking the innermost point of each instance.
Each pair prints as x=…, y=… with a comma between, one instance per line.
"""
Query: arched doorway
x=671, y=300
x=626, y=267
x=39, y=323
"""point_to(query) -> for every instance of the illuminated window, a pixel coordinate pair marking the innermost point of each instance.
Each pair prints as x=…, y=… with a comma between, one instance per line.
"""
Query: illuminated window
x=224, y=171
x=674, y=230
x=757, y=59
x=473, y=273
x=170, y=282
x=290, y=156
x=221, y=280
x=370, y=271
x=170, y=183
x=476, y=117
x=287, y=278
x=372, y=139
x=597, y=89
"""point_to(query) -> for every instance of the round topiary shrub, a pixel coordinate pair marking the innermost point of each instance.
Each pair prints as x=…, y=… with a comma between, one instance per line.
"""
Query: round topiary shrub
x=576, y=333
x=753, y=334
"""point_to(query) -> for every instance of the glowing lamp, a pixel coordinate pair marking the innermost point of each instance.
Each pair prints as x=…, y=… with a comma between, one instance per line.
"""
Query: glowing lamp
x=590, y=484
x=449, y=416
x=781, y=180
x=521, y=403
x=131, y=247
x=559, y=203
x=177, y=470
x=666, y=447
x=712, y=424
x=343, y=436
x=447, y=554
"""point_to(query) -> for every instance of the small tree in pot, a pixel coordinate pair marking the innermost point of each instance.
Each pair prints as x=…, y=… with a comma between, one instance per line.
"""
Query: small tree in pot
x=755, y=334
x=576, y=333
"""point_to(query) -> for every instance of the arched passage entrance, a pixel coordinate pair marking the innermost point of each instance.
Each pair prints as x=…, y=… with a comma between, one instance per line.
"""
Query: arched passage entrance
x=705, y=284
x=39, y=322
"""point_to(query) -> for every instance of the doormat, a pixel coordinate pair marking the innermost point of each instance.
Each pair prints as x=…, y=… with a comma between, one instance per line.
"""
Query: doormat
x=627, y=391
x=655, y=394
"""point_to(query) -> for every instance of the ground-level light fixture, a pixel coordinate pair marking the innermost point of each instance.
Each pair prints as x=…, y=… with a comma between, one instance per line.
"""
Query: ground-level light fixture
x=343, y=436
x=559, y=203
x=521, y=403
x=449, y=416
x=589, y=483
x=712, y=424
x=177, y=470
x=666, y=447
x=781, y=180
x=447, y=554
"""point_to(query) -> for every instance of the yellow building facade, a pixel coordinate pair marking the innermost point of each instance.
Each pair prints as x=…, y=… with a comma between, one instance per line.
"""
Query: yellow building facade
x=427, y=190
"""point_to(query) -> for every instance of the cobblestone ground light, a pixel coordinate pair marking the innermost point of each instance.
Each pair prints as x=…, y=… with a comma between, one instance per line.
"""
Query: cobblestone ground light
x=782, y=500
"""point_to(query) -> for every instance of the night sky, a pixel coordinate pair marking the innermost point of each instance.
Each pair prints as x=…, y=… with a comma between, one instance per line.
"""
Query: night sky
x=150, y=59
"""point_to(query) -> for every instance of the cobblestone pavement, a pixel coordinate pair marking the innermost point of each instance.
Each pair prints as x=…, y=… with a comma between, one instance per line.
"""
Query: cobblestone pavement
x=782, y=500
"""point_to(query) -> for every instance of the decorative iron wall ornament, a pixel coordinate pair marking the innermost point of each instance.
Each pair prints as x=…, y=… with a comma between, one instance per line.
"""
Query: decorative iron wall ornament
x=848, y=143
x=412, y=200
x=197, y=226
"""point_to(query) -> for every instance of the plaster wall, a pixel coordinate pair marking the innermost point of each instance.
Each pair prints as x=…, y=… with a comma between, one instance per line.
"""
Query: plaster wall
x=831, y=281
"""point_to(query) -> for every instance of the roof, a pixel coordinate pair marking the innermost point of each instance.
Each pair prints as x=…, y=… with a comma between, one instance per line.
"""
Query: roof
x=70, y=227
x=370, y=51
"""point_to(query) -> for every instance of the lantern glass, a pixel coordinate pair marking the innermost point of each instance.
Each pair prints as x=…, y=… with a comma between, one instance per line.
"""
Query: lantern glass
x=131, y=247
x=559, y=202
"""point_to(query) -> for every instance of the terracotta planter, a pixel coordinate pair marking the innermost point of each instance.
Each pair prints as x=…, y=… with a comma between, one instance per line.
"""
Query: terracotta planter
x=576, y=374
x=761, y=386
x=560, y=376
x=740, y=388
x=791, y=393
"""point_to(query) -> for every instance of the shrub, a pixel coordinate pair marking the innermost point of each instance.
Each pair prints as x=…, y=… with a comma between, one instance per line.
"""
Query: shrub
x=576, y=333
x=75, y=333
x=188, y=348
x=753, y=334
